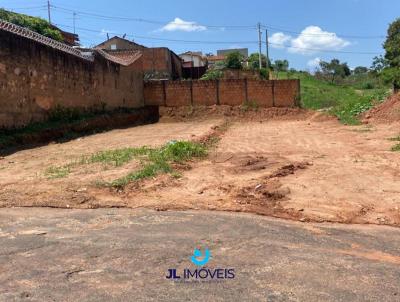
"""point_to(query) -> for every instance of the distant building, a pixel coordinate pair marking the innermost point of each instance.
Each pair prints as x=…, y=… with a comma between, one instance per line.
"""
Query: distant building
x=117, y=43
x=225, y=52
x=193, y=59
x=212, y=60
x=158, y=62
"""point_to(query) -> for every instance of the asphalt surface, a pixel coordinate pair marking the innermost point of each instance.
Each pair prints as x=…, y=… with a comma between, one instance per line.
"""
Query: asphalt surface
x=124, y=255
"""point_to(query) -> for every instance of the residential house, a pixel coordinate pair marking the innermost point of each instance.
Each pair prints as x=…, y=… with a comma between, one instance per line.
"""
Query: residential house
x=158, y=62
x=212, y=60
x=193, y=59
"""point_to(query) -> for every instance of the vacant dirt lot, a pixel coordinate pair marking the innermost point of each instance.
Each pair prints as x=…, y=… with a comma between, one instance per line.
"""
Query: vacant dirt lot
x=299, y=167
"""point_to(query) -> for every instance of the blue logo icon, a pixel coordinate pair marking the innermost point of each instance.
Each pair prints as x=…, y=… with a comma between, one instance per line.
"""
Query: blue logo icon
x=203, y=259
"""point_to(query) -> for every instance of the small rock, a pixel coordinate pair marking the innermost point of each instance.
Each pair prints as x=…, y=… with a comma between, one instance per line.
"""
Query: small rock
x=301, y=210
x=258, y=186
x=302, y=219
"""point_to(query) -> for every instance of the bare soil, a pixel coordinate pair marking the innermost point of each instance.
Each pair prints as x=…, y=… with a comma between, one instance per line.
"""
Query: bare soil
x=388, y=111
x=287, y=163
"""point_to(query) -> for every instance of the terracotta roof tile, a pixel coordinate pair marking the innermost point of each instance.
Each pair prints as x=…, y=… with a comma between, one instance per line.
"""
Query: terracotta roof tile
x=125, y=58
x=29, y=34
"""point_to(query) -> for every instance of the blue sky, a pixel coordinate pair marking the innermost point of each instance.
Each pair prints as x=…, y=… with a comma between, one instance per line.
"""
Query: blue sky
x=302, y=32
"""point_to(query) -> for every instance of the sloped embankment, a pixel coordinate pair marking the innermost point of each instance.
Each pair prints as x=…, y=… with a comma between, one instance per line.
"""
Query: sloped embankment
x=388, y=111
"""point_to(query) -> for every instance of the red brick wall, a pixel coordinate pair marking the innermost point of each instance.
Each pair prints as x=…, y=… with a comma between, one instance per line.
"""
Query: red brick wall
x=232, y=92
x=154, y=93
x=286, y=93
x=204, y=93
x=260, y=92
x=279, y=93
x=156, y=59
x=35, y=78
x=178, y=93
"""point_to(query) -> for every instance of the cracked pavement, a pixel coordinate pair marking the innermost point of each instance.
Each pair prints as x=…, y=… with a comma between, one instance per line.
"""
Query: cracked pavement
x=124, y=255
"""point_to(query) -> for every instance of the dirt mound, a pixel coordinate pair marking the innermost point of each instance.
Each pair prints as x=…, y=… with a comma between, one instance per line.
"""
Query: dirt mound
x=388, y=111
x=238, y=112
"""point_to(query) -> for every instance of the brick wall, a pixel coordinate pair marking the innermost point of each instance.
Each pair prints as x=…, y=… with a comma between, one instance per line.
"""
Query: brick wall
x=162, y=60
x=34, y=78
x=276, y=93
x=205, y=93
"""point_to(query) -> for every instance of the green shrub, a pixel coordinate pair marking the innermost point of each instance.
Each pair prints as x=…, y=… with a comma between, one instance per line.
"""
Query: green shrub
x=212, y=74
x=36, y=24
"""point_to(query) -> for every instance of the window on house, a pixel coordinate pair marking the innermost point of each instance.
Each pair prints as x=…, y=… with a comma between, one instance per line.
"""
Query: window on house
x=113, y=46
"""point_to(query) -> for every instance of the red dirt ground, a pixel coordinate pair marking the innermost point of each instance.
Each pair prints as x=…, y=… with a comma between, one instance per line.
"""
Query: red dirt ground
x=387, y=112
x=287, y=163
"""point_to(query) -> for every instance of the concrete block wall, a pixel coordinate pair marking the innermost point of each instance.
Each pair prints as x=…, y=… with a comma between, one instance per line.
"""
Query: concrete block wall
x=276, y=93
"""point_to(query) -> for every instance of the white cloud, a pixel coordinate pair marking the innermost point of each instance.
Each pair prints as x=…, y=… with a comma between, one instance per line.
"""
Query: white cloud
x=313, y=38
x=181, y=25
x=314, y=63
x=278, y=40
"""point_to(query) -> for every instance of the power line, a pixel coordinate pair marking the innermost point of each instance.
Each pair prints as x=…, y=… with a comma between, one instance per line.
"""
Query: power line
x=229, y=27
x=119, y=18
x=162, y=39
x=226, y=42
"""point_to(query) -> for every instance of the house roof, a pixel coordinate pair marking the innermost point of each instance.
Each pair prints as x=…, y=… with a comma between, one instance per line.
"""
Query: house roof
x=125, y=57
x=121, y=39
x=215, y=58
x=192, y=53
x=85, y=54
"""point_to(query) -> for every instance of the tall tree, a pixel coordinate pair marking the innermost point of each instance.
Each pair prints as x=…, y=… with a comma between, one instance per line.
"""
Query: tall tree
x=378, y=64
x=334, y=69
x=234, y=60
x=280, y=65
x=392, y=55
x=360, y=70
x=254, y=62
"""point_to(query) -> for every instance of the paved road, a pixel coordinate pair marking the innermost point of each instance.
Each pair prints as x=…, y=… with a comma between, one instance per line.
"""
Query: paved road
x=124, y=255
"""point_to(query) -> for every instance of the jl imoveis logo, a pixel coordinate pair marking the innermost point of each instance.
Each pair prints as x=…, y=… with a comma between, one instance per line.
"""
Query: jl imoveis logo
x=201, y=273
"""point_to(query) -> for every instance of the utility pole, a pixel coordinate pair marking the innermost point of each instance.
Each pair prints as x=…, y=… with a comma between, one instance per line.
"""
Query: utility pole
x=74, y=17
x=48, y=10
x=267, y=50
x=259, y=45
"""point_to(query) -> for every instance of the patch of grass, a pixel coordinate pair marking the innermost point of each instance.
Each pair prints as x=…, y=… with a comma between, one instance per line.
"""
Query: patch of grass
x=395, y=139
x=345, y=100
x=396, y=147
x=154, y=161
x=57, y=172
x=117, y=157
x=159, y=161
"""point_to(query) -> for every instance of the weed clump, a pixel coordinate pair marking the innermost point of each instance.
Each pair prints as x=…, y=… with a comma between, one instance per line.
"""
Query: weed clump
x=159, y=160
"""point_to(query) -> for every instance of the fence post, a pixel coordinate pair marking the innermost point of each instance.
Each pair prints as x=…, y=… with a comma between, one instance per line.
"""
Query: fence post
x=273, y=93
x=164, y=93
x=217, y=86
